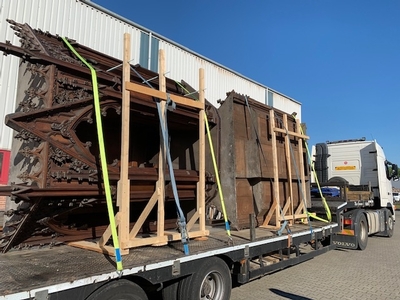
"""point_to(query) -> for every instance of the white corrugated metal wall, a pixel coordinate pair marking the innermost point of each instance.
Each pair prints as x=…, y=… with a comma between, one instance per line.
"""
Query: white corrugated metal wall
x=102, y=30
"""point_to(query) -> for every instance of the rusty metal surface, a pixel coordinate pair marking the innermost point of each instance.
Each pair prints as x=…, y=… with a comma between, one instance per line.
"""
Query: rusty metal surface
x=246, y=159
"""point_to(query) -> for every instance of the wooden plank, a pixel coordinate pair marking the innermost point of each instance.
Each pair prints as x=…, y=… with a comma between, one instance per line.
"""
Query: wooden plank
x=288, y=204
x=107, y=233
x=288, y=164
x=275, y=170
x=359, y=195
x=162, y=153
x=296, y=134
x=176, y=236
x=201, y=185
x=155, y=240
x=301, y=167
x=109, y=250
x=145, y=213
x=269, y=215
x=137, y=88
x=271, y=227
x=295, y=216
x=123, y=195
x=300, y=208
x=192, y=221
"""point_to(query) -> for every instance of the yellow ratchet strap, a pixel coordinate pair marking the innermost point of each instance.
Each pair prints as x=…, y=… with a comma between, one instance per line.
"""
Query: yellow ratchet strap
x=227, y=226
x=102, y=156
x=324, y=203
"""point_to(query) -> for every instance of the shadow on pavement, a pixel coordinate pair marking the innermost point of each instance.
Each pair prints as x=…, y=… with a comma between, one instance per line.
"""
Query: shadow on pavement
x=289, y=295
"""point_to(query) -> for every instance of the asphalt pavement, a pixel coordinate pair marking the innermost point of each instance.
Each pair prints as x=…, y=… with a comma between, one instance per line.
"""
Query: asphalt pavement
x=339, y=274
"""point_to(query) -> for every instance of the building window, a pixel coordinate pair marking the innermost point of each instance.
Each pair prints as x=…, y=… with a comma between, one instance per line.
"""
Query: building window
x=269, y=98
x=149, y=52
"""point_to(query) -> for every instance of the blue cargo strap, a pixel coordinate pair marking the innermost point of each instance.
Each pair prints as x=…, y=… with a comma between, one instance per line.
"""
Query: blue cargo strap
x=221, y=195
x=164, y=131
x=181, y=217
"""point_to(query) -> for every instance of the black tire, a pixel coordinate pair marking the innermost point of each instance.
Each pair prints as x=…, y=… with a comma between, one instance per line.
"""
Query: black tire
x=212, y=280
x=361, y=230
x=389, y=224
x=326, y=241
x=170, y=291
x=338, y=180
x=120, y=289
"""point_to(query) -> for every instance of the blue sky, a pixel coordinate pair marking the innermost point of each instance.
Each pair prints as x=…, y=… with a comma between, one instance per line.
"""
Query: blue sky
x=339, y=58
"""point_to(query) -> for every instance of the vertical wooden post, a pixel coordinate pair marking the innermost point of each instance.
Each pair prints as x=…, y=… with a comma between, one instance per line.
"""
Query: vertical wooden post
x=302, y=206
x=202, y=166
x=123, y=197
x=275, y=167
x=289, y=166
x=162, y=153
x=275, y=206
x=301, y=164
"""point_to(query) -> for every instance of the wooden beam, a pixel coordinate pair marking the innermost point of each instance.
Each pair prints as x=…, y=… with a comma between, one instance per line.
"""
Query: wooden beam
x=107, y=233
x=295, y=216
x=137, y=88
x=288, y=164
x=192, y=221
x=287, y=205
x=300, y=208
x=275, y=168
x=145, y=213
x=301, y=169
x=162, y=153
x=123, y=195
x=269, y=214
x=176, y=236
x=275, y=207
x=201, y=186
x=155, y=240
x=109, y=250
x=296, y=134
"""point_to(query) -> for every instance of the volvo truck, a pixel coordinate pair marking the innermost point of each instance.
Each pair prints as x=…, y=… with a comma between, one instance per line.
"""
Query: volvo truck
x=355, y=179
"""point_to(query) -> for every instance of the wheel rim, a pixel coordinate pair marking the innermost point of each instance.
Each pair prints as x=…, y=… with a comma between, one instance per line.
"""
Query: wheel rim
x=212, y=286
x=390, y=223
x=363, y=231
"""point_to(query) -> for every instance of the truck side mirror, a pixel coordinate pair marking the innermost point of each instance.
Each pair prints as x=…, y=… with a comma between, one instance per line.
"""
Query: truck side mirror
x=395, y=172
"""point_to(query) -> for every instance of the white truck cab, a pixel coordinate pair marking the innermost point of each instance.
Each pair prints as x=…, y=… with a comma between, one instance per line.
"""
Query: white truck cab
x=360, y=170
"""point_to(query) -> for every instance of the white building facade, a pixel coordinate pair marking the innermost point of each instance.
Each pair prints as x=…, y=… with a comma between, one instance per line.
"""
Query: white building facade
x=102, y=30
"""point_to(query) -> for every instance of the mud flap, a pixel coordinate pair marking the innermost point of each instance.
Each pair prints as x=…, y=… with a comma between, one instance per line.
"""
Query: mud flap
x=345, y=241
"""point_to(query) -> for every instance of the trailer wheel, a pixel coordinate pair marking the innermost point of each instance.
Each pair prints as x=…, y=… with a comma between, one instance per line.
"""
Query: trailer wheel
x=170, y=291
x=121, y=289
x=212, y=280
x=361, y=229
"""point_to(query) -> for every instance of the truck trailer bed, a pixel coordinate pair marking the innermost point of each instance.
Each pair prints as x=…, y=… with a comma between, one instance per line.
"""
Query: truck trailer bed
x=32, y=272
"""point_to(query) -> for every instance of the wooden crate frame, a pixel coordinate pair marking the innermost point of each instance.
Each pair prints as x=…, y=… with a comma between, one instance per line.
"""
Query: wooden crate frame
x=288, y=211
x=128, y=238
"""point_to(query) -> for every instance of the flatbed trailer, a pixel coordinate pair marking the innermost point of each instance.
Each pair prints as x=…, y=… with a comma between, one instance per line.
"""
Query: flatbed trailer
x=152, y=177
x=65, y=272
